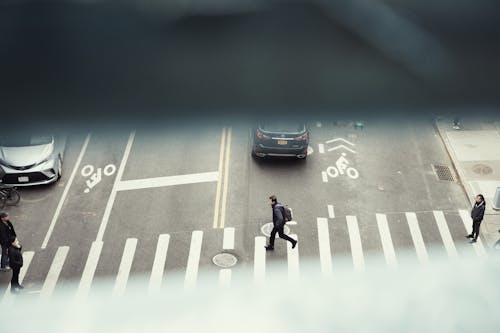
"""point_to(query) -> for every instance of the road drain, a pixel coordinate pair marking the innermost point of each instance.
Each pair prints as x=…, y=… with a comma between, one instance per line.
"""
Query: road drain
x=225, y=260
x=443, y=172
x=482, y=169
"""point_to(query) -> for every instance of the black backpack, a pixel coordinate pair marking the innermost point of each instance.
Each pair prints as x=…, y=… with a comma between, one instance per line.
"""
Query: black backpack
x=287, y=213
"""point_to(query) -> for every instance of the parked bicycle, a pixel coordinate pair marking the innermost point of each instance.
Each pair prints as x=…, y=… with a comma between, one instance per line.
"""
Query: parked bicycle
x=9, y=196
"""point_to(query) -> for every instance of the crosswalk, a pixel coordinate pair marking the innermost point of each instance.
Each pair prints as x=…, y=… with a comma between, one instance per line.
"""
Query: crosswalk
x=325, y=239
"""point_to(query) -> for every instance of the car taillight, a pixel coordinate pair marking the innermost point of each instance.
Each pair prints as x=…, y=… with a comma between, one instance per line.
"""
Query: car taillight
x=303, y=137
x=262, y=136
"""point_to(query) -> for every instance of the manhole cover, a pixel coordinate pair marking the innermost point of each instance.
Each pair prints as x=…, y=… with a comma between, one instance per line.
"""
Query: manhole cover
x=443, y=172
x=268, y=227
x=225, y=260
x=482, y=169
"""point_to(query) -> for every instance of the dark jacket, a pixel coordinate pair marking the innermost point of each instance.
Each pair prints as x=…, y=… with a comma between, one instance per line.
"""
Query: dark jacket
x=278, y=219
x=15, y=257
x=477, y=212
x=6, y=233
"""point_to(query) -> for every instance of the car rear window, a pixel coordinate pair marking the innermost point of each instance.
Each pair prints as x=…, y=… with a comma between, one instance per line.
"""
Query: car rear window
x=283, y=127
x=23, y=141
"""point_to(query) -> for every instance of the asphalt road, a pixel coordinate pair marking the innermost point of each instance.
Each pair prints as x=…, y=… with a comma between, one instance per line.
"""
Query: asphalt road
x=198, y=185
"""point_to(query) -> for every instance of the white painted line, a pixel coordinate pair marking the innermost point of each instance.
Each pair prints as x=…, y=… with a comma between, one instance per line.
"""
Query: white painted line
x=318, y=124
x=65, y=192
x=193, y=260
x=226, y=179
x=324, y=175
x=54, y=271
x=27, y=257
x=385, y=237
x=416, y=235
x=478, y=246
x=331, y=212
x=159, y=263
x=259, y=260
x=291, y=223
x=341, y=139
x=125, y=266
x=356, y=247
x=219, y=178
x=342, y=146
x=112, y=196
x=89, y=270
x=293, y=260
x=228, y=241
x=445, y=234
x=225, y=278
x=325, y=253
x=321, y=148
x=137, y=184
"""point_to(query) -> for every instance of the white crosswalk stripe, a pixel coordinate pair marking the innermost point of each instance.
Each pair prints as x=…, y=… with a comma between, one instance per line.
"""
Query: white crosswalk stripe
x=225, y=278
x=193, y=260
x=125, y=265
x=293, y=260
x=445, y=234
x=27, y=258
x=325, y=254
x=356, y=247
x=228, y=240
x=89, y=270
x=467, y=220
x=159, y=263
x=259, y=260
x=385, y=237
x=416, y=235
x=54, y=271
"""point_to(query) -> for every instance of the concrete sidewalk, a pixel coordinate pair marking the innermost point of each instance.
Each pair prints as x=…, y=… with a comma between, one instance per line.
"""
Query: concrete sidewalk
x=475, y=152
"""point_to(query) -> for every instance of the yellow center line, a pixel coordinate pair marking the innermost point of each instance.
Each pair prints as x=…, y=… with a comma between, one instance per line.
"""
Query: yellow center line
x=226, y=179
x=219, y=180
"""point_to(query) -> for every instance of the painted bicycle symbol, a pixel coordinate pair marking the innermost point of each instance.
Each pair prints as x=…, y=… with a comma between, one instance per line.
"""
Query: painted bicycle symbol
x=341, y=168
x=96, y=177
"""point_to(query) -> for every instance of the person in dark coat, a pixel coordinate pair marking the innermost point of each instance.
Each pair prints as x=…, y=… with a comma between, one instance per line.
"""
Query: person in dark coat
x=477, y=215
x=6, y=233
x=278, y=224
x=16, y=262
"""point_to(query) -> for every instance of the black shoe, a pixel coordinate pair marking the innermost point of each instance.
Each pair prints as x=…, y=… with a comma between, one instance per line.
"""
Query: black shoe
x=468, y=236
x=19, y=286
x=294, y=244
x=269, y=248
x=473, y=241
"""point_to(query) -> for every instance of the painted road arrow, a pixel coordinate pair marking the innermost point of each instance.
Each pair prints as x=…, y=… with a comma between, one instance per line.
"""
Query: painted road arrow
x=342, y=146
x=340, y=139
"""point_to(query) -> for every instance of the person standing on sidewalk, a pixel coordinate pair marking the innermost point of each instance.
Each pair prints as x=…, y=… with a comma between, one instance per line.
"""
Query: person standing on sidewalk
x=278, y=224
x=477, y=215
x=6, y=233
x=16, y=262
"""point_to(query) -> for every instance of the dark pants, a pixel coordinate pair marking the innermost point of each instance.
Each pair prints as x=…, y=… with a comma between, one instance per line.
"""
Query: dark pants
x=14, y=282
x=5, y=257
x=281, y=231
x=475, y=229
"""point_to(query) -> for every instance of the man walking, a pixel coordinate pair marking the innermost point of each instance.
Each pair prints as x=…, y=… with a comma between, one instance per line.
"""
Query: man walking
x=6, y=233
x=16, y=262
x=477, y=214
x=278, y=224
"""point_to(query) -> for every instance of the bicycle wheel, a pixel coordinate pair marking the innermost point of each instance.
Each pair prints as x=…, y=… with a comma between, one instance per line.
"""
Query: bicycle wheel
x=13, y=197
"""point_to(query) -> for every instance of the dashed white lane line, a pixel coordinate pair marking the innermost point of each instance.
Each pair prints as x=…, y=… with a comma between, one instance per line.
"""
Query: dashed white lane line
x=445, y=234
x=54, y=271
x=228, y=240
x=226, y=179
x=112, y=196
x=159, y=263
x=193, y=260
x=89, y=270
x=356, y=247
x=324, y=175
x=65, y=192
x=416, y=235
x=325, y=254
x=225, y=278
x=125, y=265
x=259, y=260
x=219, y=178
x=478, y=246
x=137, y=184
x=293, y=260
x=27, y=257
x=321, y=148
x=385, y=237
x=331, y=212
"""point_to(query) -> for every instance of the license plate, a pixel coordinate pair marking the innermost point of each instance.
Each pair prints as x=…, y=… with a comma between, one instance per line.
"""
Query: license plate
x=282, y=142
x=23, y=179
